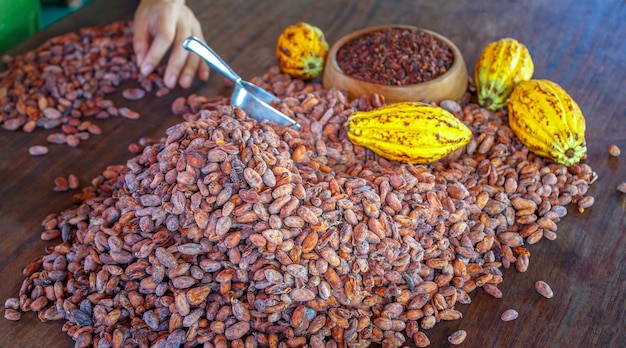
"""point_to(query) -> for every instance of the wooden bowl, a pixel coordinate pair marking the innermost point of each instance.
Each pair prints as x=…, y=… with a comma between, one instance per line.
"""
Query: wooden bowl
x=450, y=85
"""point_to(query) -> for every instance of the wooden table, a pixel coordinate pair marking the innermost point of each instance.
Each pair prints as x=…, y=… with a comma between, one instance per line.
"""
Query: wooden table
x=578, y=44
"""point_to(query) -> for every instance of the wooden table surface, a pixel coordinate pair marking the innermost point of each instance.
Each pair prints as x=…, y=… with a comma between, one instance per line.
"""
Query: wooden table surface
x=579, y=44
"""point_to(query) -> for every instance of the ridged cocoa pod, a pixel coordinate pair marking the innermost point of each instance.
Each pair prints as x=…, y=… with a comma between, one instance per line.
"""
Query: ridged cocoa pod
x=501, y=65
x=548, y=121
x=408, y=132
x=301, y=51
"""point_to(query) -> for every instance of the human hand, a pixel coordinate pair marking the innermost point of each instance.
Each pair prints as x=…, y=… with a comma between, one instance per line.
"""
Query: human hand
x=160, y=24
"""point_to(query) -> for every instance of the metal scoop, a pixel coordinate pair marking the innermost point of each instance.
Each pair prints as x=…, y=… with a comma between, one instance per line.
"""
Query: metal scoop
x=252, y=99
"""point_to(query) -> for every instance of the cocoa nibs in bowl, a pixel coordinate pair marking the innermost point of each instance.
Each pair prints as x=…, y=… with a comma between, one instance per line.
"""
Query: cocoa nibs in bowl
x=395, y=56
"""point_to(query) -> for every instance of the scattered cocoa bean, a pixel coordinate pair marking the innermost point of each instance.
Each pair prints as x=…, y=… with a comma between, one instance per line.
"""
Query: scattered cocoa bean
x=509, y=315
x=544, y=289
x=38, y=150
x=133, y=93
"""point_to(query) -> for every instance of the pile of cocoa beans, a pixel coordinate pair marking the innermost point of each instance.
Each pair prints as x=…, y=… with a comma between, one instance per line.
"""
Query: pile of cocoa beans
x=231, y=232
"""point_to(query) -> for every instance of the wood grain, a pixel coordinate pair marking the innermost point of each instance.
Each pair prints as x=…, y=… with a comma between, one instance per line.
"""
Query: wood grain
x=578, y=44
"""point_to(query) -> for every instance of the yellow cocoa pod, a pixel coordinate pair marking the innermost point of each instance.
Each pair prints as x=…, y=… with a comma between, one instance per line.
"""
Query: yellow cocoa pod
x=548, y=121
x=501, y=65
x=408, y=132
x=301, y=51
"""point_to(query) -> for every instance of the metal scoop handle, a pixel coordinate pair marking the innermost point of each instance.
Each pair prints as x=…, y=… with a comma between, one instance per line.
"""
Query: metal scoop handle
x=198, y=47
x=251, y=98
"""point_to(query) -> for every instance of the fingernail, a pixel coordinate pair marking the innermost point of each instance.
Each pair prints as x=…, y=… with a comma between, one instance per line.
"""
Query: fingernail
x=170, y=81
x=205, y=75
x=185, y=81
x=146, y=69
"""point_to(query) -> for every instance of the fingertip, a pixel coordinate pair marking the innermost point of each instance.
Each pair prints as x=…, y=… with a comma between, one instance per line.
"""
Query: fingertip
x=140, y=57
x=203, y=72
x=170, y=81
x=140, y=48
x=185, y=81
x=140, y=43
x=157, y=50
x=146, y=68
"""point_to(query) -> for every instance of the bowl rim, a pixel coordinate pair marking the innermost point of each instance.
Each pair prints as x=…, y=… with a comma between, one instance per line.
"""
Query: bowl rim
x=457, y=63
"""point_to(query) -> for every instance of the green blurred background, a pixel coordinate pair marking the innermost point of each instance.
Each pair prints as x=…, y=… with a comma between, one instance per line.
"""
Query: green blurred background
x=19, y=19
